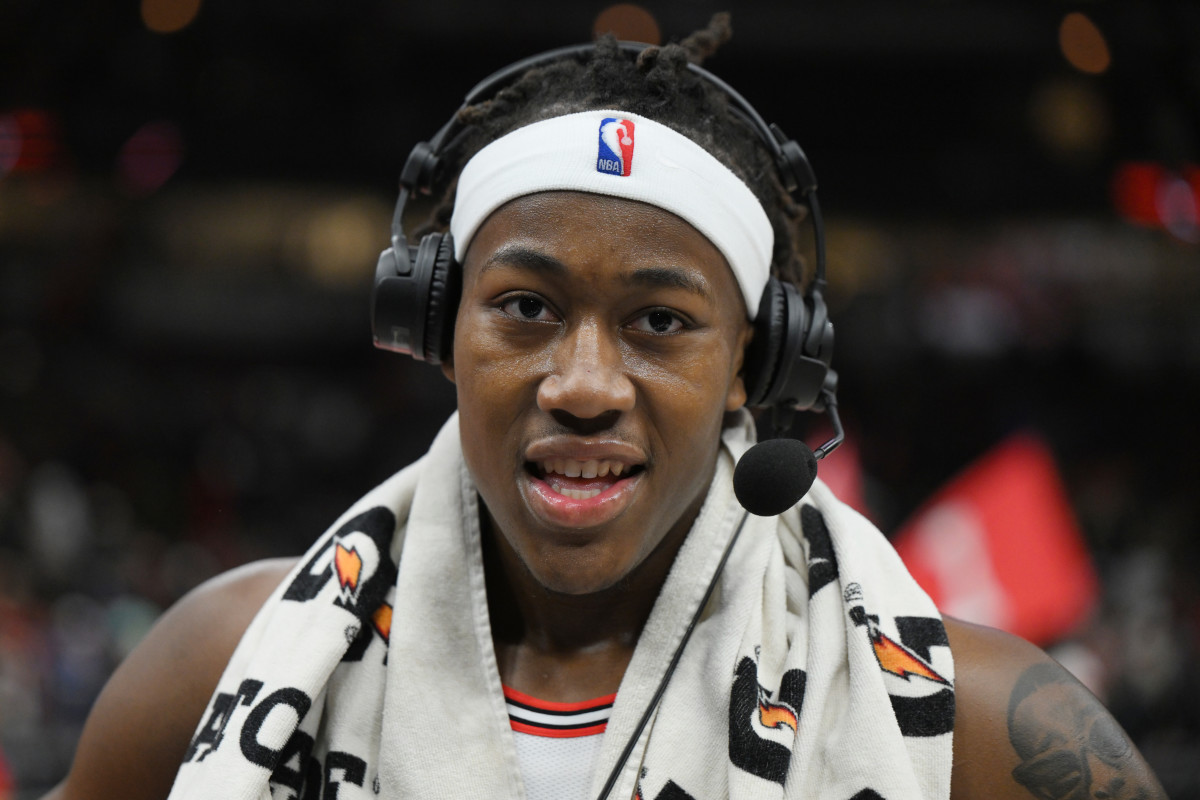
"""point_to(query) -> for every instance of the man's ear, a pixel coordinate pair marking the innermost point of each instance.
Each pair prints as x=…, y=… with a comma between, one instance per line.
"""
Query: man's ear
x=736, y=397
x=448, y=369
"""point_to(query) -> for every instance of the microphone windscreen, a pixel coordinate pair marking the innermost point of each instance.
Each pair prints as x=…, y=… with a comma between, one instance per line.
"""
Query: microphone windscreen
x=773, y=475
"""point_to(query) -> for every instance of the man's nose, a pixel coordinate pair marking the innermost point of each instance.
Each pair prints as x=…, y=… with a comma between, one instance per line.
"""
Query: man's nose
x=588, y=378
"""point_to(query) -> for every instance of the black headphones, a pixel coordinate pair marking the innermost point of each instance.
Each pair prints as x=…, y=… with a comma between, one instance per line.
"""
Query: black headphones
x=787, y=367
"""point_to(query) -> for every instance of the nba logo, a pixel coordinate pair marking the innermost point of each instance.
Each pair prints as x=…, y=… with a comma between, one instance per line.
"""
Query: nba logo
x=616, y=146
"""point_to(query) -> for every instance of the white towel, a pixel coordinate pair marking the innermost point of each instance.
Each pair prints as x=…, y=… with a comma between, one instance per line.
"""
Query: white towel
x=819, y=668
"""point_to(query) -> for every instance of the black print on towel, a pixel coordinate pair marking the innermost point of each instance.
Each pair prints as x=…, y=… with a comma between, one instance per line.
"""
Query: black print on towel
x=293, y=767
x=358, y=556
x=301, y=776
x=762, y=730
x=822, y=563
x=208, y=739
x=928, y=714
x=288, y=700
x=672, y=791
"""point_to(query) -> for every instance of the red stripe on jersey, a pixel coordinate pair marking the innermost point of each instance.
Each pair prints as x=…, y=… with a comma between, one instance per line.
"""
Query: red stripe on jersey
x=549, y=705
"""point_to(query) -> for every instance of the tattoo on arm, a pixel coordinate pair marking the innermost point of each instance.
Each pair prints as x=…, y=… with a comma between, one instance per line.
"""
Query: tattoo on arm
x=1070, y=747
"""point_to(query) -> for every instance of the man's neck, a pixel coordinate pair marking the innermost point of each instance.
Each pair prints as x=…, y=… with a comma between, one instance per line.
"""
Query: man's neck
x=568, y=647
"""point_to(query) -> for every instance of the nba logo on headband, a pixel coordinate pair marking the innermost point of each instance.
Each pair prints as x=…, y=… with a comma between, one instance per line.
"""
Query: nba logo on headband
x=616, y=146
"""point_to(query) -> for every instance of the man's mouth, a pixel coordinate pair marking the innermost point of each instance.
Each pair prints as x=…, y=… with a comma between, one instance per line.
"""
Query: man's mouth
x=582, y=480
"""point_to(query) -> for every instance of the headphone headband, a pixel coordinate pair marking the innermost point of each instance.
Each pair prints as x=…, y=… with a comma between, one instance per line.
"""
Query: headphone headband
x=795, y=171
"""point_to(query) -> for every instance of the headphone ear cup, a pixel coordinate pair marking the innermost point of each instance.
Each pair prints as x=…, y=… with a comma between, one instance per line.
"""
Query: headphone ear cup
x=441, y=306
x=415, y=298
x=762, y=357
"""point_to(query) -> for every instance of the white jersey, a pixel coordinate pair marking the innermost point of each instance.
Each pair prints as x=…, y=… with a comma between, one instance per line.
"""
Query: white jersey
x=558, y=744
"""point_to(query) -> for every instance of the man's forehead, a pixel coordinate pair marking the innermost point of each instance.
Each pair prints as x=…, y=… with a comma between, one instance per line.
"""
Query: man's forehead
x=520, y=255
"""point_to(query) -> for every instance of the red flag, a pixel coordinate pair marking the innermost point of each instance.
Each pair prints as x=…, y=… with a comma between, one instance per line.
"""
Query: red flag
x=999, y=545
x=7, y=787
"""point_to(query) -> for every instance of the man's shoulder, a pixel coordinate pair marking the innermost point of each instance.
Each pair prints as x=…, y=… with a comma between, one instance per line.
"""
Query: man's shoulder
x=253, y=581
x=1024, y=726
x=142, y=722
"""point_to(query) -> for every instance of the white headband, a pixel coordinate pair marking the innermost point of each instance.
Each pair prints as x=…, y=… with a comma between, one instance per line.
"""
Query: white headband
x=624, y=155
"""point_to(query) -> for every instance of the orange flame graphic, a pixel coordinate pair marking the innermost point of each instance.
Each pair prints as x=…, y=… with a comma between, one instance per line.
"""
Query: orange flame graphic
x=348, y=564
x=774, y=716
x=894, y=658
x=382, y=618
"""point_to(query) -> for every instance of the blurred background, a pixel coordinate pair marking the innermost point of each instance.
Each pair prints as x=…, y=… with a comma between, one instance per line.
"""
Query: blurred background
x=193, y=195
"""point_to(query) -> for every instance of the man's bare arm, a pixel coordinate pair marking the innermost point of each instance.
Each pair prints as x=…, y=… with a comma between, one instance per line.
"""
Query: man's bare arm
x=1024, y=727
x=140, y=726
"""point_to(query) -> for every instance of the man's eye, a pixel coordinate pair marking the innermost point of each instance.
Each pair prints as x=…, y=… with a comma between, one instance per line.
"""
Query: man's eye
x=658, y=321
x=527, y=307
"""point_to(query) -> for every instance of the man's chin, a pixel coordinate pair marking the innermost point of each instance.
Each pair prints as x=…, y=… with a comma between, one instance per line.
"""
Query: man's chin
x=575, y=580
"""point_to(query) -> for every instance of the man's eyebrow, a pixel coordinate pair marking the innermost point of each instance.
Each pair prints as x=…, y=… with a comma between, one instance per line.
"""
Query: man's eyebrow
x=524, y=257
x=671, y=278
x=517, y=255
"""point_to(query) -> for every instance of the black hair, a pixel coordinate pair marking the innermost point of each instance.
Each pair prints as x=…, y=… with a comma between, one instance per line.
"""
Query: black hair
x=657, y=84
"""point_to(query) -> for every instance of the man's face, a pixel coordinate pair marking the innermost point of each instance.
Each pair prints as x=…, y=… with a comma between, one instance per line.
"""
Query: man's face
x=597, y=347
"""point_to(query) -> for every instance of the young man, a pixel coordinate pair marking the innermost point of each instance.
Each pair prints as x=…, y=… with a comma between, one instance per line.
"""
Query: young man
x=548, y=604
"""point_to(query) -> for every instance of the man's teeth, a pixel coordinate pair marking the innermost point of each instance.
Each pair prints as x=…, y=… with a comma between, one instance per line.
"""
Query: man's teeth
x=583, y=469
x=577, y=494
